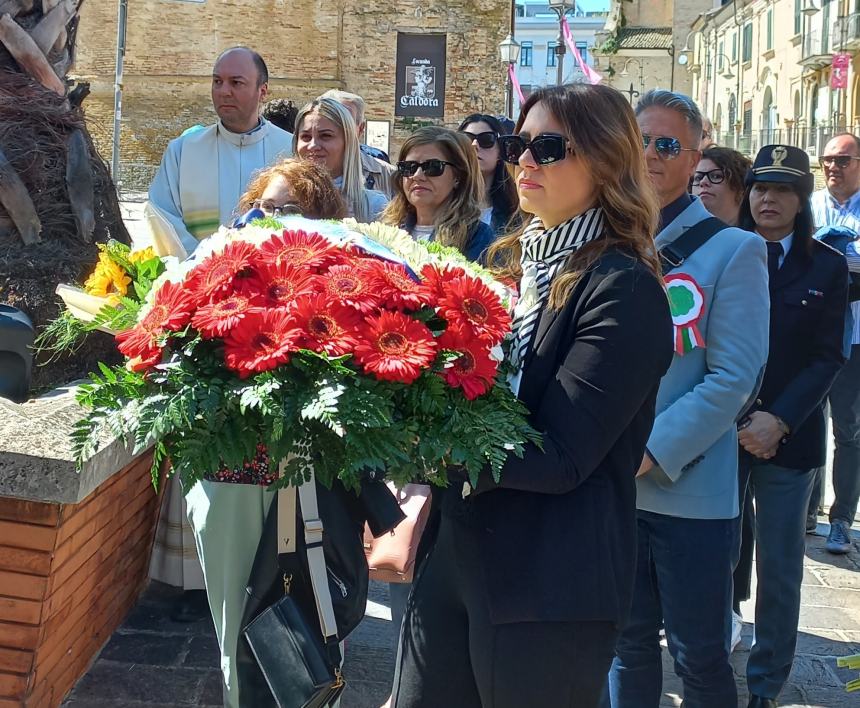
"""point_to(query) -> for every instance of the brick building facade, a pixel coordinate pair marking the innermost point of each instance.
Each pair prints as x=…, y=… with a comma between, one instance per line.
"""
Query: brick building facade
x=309, y=46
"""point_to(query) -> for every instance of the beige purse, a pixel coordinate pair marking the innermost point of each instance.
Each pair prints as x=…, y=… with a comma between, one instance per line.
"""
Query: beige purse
x=391, y=557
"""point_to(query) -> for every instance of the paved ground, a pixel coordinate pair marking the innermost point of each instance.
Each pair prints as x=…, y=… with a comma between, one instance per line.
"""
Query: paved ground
x=152, y=662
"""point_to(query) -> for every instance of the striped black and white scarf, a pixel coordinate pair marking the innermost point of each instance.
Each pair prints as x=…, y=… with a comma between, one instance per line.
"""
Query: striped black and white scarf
x=544, y=254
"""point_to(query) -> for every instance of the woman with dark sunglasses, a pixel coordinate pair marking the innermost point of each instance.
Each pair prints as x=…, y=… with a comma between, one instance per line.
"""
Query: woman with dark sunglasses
x=438, y=192
x=500, y=194
x=719, y=182
x=520, y=599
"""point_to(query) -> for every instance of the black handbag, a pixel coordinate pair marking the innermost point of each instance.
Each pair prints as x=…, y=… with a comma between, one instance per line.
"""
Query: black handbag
x=300, y=670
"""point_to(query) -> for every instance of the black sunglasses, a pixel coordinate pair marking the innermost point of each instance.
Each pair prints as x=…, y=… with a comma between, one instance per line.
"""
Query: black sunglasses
x=841, y=161
x=485, y=140
x=546, y=148
x=430, y=168
x=715, y=176
x=667, y=148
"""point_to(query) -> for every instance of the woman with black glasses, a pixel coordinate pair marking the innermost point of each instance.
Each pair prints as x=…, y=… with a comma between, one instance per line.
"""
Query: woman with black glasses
x=719, y=182
x=438, y=192
x=294, y=186
x=520, y=599
x=500, y=194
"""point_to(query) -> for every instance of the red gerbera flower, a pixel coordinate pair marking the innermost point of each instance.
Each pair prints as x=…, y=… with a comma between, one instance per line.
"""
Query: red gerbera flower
x=278, y=285
x=145, y=361
x=396, y=347
x=298, y=248
x=468, y=304
x=219, y=317
x=263, y=340
x=214, y=277
x=351, y=284
x=474, y=369
x=435, y=277
x=396, y=289
x=327, y=327
x=171, y=311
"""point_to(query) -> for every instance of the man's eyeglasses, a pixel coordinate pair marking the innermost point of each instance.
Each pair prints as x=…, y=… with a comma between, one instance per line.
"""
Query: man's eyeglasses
x=485, y=140
x=269, y=208
x=714, y=176
x=546, y=148
x=430, y=168
x=840, y=161
x=667, y=148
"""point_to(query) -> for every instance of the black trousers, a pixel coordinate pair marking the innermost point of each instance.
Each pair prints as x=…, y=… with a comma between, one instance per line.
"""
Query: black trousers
x=744, y=567
x=451, y=656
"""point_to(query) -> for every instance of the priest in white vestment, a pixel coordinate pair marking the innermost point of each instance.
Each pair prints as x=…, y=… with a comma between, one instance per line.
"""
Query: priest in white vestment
x=202, y=175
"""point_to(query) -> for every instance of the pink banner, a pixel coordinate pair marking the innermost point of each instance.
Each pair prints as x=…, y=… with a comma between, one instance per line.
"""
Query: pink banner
x=592, y=76
x=839, y=74
x=516, y=84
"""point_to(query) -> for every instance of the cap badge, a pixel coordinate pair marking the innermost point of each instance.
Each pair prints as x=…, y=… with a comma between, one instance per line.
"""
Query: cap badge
x=778, y=155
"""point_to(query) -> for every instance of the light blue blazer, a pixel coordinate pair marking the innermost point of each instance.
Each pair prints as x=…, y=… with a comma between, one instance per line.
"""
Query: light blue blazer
x=694, y=440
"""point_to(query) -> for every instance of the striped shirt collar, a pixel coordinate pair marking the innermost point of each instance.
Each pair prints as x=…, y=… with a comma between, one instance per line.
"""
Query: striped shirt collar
x=553, y=246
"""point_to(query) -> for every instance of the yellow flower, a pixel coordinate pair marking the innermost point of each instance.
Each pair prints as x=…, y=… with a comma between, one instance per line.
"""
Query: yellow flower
x=107, y=280
x=142, y=255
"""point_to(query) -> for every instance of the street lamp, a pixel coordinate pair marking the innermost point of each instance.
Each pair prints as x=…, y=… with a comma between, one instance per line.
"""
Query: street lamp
x=625, y=73
x=509, y=52
x=808, y=8
x=728, y=75
x=683, y=57
x=560, y=8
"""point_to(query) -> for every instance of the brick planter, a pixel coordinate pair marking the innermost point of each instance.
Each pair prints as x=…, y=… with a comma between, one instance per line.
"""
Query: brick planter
x=74, y=549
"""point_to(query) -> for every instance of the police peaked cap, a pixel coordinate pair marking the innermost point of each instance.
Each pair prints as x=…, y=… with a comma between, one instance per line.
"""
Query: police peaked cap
x=782, y=163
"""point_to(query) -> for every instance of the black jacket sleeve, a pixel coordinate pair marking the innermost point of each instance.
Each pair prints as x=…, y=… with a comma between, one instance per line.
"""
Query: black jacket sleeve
x=807, y=390
x=621, y=347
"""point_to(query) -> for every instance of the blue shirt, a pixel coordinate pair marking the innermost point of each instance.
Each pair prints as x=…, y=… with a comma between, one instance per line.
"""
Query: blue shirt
x=826, y=211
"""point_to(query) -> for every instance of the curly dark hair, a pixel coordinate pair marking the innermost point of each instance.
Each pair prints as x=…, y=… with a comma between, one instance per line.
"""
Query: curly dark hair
x=734, y=165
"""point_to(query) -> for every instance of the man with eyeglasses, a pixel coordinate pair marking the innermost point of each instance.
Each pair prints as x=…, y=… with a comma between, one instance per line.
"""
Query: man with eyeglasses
x=838, y=204
x=687, y=485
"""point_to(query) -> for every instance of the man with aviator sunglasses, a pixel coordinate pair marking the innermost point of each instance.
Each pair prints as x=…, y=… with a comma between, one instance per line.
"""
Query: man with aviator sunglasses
x=838, y=204
x=687, y=484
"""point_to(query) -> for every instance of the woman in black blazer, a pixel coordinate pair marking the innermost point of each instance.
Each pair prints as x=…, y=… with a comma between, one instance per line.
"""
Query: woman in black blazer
x=520, y=600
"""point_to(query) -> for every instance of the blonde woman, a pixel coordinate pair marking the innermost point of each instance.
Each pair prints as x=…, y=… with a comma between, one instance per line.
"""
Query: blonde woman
x=439, y=192
x=326, y=134
x=520, y=599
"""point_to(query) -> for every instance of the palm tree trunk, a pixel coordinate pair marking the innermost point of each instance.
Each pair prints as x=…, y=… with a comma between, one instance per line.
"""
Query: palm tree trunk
x=57, y=199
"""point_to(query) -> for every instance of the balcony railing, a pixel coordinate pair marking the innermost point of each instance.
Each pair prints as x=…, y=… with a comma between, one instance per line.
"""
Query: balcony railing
x=816, y=49
x=812, y=140
x=845, y=33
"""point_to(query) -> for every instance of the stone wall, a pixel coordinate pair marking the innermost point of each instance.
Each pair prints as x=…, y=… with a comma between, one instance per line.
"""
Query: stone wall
x=309, y=47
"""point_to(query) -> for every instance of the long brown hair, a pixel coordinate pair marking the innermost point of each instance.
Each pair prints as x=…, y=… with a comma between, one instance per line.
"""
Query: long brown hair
x=456, y=217
x=603, y=133
x=310, y=184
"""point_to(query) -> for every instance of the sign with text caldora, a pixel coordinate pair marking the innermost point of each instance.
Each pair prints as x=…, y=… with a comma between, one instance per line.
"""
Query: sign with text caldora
x=420, y=78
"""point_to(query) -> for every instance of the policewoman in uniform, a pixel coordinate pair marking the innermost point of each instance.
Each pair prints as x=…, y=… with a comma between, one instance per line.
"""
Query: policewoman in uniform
x=783, y=439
